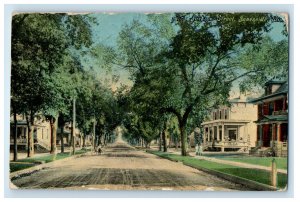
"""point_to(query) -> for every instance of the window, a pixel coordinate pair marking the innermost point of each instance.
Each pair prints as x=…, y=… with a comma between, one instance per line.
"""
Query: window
x=220, y=114
x=278, y=105
x=266, y=109
x=226, y=115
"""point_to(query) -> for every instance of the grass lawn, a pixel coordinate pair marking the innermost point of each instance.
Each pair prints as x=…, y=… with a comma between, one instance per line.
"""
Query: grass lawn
x=263, y=161
x=20, y=166
x=247, y=173
x=29, y=162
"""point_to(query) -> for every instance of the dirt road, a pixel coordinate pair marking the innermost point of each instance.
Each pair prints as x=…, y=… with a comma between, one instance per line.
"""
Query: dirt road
x=125, y=168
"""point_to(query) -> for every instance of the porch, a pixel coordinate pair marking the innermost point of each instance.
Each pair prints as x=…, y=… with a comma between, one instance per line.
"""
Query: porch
x=273, y=135
x=226, y=135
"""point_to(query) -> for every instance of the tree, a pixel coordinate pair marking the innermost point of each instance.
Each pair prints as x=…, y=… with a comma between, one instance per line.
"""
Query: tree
x=199, y=63
x=39, y=42
x=271, y=60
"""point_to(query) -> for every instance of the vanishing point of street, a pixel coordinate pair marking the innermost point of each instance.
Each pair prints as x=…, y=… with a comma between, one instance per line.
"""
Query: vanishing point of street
x=122, y=167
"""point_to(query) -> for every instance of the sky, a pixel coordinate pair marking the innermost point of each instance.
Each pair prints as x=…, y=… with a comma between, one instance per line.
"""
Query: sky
x=110, y=24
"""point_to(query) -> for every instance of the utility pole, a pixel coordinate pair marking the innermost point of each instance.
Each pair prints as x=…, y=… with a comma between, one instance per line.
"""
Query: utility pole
x=15, y=137
x=74, y=125
x=94, y=133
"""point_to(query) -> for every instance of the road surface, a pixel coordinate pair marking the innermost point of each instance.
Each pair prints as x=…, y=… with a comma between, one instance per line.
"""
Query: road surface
x=122, y=167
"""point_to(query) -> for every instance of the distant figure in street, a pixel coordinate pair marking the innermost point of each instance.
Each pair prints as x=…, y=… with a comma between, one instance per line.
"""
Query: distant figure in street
x=98, y=150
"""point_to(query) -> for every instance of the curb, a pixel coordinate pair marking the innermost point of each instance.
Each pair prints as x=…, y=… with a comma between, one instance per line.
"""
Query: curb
x=33, y=169
x=245, y=182
x=239, y=180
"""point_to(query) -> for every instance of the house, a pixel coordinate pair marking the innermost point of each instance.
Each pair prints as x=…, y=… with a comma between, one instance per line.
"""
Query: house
x=272, y=122
x=231, y=128
x=65, y=133
x=41, y=133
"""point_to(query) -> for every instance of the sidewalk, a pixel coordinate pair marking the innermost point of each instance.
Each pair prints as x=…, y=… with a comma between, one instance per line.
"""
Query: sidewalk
x=23, y=155
x=227, y=162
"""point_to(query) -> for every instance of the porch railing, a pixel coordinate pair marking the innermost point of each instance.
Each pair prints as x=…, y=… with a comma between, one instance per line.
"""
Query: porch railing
x=227, y=144
x=19, y=141
x=280, y=112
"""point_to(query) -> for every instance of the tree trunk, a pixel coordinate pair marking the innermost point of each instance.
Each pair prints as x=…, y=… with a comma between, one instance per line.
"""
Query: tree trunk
x=83, y=142
x=53, y=133
x=105, y=139
x=176, y=143
x=94, y=134
x=73, y=144
x=160, y=141
x=183, y=140
x=163, y=134
x=30, y=122
x=72, y=139
x=15, y=134
x=74, y=125
x=80, y=141
x=62, y=146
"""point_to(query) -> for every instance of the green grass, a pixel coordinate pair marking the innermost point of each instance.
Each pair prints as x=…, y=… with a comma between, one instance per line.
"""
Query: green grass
x=260, y=176
x=29, y=162
x=263, y=161
x=20, y=166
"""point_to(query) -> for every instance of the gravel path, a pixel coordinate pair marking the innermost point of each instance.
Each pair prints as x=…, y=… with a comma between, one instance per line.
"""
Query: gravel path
x=121, y=167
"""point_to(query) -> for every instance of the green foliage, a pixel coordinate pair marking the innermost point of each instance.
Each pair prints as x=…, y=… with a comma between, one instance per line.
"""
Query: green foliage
x=267, y=60
x=189, y=68
x=40, y=50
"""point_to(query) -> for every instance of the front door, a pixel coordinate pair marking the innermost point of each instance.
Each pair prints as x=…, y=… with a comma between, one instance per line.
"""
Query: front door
x=267, y=134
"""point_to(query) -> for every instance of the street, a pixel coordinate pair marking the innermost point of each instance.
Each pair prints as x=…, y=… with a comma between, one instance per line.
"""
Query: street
x=121, y=167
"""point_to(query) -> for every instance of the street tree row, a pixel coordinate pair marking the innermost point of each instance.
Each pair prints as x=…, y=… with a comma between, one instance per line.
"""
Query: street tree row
x=183, y=67
x=48, y=78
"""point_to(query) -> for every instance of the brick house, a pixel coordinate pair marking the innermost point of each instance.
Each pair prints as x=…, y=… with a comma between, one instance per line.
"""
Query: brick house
x=272, y=122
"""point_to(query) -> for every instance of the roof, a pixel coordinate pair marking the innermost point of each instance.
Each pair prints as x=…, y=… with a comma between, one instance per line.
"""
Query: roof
x=283, y=89
x=20, y=122
x=273, y=118
x=274, y=82
x=228, y=121
x=239, y=100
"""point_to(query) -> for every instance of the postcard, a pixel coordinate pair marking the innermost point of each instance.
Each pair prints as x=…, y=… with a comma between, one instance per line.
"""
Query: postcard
x=149, y=101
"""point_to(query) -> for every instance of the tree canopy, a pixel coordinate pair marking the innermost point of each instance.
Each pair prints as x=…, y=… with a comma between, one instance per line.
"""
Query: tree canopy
x=181, y=65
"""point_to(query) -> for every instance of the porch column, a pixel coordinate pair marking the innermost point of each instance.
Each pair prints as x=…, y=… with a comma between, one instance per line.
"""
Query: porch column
x=273, y=132
x=260, y=135
x=218, y=132
x=213, y=132
x=278, y=132
x=223, y=132
x=205, y=135
x=208, y=133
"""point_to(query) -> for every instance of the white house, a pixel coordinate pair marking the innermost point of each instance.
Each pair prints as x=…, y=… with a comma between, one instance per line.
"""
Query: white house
x=231, y=128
